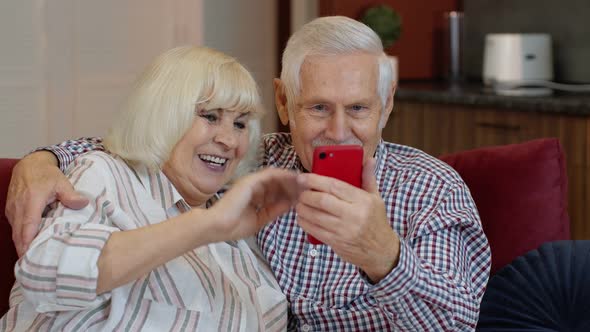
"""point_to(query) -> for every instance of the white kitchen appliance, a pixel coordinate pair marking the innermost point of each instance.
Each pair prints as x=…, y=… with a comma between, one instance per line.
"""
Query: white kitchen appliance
x=515, y=62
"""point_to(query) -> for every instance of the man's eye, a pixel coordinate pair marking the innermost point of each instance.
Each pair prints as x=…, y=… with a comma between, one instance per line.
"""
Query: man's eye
x=209, y=117
x=239, y=125
x=319, y=108
x=358, y=108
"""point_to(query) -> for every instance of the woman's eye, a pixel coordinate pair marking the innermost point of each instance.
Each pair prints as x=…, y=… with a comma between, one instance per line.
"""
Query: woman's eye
x=239, y=125
x=209, y=117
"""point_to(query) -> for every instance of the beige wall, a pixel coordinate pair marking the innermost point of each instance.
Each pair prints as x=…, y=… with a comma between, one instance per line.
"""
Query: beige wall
x=246, y=29
x=303, y=11
x=66, y=65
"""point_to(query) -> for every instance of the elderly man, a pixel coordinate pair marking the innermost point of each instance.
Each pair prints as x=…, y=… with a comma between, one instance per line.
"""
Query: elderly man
x=405, y=252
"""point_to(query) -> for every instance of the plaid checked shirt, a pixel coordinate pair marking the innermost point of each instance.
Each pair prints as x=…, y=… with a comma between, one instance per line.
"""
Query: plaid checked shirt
x=444, y=259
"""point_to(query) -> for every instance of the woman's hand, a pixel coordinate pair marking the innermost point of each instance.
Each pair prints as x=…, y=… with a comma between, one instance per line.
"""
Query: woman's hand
x=254, y=201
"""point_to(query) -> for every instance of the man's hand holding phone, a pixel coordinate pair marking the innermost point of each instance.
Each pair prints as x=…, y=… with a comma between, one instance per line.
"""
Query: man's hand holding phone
x=342, y=162
x=351, y=220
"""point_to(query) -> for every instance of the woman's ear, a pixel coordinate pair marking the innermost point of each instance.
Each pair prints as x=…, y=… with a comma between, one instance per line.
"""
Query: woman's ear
x=281, y=101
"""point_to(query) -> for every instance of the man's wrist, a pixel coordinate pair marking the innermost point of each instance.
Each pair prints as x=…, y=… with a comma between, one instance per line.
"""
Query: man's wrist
x=43, y=156
x=385, y=264
x=401, y=280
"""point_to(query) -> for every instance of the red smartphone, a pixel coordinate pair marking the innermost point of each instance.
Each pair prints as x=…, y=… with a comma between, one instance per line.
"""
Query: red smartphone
x=343, y=162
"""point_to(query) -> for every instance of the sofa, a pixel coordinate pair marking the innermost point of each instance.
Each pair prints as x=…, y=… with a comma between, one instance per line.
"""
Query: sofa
x=520, y=191
x=8, y=253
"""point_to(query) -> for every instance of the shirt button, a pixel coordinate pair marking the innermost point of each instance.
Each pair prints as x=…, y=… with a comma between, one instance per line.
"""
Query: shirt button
x=313, y=252
x=305, y=328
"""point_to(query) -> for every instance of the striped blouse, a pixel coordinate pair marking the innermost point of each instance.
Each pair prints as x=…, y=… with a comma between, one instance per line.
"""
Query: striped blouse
x=224, y=286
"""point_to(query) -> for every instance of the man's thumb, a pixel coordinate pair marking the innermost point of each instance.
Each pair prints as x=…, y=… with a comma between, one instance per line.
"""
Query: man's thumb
x=369, y=181
x=70, y=198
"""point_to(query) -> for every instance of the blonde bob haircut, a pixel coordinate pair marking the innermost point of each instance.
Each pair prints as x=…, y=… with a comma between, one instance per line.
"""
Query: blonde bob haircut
x=163, y=102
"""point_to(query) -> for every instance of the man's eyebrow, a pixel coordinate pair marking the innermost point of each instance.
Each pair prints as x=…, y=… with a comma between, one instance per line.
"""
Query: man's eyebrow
x=364, y=101
x=314, y=100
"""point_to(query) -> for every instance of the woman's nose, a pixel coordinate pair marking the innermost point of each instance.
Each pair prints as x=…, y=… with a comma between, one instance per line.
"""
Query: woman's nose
x=226, y=137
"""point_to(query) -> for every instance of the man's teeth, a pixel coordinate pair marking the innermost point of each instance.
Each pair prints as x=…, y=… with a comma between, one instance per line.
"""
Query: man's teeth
x=213, y=159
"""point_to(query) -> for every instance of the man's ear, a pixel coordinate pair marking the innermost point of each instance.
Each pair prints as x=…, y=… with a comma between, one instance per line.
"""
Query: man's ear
x=388, y=105
x=281, y=101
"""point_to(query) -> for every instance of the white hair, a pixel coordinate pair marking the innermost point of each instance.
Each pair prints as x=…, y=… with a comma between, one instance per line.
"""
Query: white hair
x=161, y=107
x=333, y=35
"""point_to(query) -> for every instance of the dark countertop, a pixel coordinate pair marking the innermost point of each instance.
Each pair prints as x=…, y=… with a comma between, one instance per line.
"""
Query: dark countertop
x=476, y=95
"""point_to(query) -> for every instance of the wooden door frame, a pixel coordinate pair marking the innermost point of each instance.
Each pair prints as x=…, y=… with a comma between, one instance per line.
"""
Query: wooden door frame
x=283, y=33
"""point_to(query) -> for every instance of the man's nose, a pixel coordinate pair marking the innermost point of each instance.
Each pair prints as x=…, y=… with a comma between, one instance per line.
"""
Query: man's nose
x=337, y=127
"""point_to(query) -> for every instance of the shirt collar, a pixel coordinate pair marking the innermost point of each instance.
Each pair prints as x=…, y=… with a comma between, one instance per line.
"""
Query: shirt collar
x=293, y=161
x=159, y=186
x=164, y=191
x=380, y=158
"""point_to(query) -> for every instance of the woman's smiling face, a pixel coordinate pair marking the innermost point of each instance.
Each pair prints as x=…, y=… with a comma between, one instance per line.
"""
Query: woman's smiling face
x=206, y=157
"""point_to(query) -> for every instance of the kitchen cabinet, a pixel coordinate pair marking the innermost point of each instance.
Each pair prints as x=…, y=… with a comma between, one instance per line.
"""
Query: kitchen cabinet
x=444, y=128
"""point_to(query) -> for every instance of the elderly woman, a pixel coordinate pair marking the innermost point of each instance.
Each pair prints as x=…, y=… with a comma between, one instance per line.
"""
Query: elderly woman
x=157, y=249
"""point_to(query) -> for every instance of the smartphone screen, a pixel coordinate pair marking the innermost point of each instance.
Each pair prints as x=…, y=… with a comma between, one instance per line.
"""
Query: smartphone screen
x=343, y=162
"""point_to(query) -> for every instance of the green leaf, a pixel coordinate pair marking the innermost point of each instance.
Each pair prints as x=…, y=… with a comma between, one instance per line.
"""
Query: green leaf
x=385, y=21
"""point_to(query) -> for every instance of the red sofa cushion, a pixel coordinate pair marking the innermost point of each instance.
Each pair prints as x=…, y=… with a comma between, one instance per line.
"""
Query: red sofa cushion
x=7, y=251
x=521, y=193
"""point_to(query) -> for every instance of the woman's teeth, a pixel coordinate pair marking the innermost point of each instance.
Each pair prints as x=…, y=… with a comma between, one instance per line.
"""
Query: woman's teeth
x=213, y=159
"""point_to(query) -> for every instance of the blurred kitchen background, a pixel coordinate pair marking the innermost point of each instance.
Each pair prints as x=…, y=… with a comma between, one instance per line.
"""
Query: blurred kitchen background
x=65, y=65
x=420, y=49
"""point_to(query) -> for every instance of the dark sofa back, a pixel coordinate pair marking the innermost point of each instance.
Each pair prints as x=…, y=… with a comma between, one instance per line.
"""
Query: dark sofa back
x=7, y=251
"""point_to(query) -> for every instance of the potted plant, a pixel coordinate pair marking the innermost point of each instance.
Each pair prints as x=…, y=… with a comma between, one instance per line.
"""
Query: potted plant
x=387, y=24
